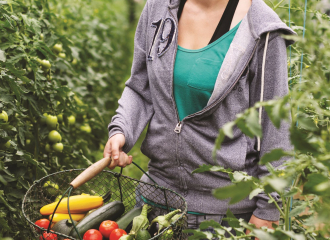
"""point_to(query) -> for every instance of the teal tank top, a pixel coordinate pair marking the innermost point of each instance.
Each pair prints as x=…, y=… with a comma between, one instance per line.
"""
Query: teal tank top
x=195, y=73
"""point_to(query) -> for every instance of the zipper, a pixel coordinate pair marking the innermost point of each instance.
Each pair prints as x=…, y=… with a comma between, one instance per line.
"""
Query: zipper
x=178, y=127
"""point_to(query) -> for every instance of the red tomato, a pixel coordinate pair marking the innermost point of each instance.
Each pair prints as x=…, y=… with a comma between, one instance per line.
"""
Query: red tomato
x=117, y=233
x=44, y=223
x=92, y=234
x=48, y=236
x=107, y=227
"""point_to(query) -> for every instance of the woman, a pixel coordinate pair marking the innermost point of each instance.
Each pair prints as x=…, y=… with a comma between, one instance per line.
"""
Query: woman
x=197, y=64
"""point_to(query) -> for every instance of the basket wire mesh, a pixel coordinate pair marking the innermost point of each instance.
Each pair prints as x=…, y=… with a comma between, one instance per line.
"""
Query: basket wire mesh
x=132, y=192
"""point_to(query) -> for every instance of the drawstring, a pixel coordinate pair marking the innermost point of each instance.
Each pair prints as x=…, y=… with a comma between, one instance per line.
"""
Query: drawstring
x=262, y=83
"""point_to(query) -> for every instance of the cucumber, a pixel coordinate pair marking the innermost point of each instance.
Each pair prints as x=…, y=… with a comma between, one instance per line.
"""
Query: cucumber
x=125, y=222
x=111, y=211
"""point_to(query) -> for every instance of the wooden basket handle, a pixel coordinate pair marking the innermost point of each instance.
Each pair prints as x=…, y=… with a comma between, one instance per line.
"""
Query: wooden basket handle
x=91, y=172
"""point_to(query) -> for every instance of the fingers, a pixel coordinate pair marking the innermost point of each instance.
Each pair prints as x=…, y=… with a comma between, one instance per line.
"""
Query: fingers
x=107, y=150
x=123, y=161
x=113, y=149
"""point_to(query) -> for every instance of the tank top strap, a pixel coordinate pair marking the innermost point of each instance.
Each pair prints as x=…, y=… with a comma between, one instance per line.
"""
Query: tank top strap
x=225, y=21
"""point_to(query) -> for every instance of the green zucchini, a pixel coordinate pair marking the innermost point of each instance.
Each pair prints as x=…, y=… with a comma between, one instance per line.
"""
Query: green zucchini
x=63, y=226
x=125, y=222
x=110, y=211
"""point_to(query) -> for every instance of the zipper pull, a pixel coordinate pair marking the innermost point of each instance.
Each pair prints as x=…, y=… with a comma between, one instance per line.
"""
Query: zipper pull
x=178, y=128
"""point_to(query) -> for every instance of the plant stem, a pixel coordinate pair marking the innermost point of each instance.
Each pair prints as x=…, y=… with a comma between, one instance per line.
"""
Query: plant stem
x=11, y=7
x=297, y=9
x=278, y=207
x=287, y=220
x=277, y=5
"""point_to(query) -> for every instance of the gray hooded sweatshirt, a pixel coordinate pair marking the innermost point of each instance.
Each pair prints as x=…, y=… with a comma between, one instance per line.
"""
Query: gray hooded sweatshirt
x=177, y=148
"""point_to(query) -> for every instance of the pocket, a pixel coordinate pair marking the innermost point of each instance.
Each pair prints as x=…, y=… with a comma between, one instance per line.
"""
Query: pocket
x=204, y=74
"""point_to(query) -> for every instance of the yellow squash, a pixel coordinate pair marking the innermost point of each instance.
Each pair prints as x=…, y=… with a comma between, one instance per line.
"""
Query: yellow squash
x=78, y=204
x=61, y=216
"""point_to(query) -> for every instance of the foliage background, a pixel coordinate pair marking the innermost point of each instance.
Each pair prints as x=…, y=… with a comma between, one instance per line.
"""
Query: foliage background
x=97, y=39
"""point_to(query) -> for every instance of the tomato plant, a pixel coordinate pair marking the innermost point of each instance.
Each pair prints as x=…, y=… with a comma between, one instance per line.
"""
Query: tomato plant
x=92, y=234
x=53, y=72
x=106, y=227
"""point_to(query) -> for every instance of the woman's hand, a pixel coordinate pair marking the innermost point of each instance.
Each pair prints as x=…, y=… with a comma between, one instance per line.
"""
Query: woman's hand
x=260, y=223
x=113, y=148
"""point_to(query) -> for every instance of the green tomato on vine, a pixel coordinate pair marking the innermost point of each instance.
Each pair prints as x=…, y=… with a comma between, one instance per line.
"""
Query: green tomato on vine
x=54, y=136
x=60, y=117
x=44, y=63
x=6, y=145
x=43, y=118
x=51, y=121
x=71, y=120
x=4, y=116
x=86, y=128
x=58, y=48
x=48, y=148
x=58, y=147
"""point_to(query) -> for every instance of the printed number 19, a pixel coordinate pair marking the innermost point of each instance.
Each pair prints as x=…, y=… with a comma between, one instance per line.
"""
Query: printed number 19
x=168, y=38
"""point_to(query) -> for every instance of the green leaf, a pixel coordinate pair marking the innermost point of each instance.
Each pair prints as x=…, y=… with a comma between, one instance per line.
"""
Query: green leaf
x=241, y=124
x=210, y=223
x=218, y=143
x=277, y=184
x=292, y=192
x=301, y=141
x=240, y=176
x=197, y=234
x=253, y=124
x=3, y=200
x=298, y=209
x=314, y=180
x=211, y=168
x=274, y=155
x=228, y=129
x=263, y=235
x=236, y=192
x=231, y=219
x=4, y=182
x=4, y=224
x=255, y=192
x=306, y=122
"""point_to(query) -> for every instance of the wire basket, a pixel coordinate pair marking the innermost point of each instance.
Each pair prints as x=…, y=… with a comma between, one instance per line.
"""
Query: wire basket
x=130, y=191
